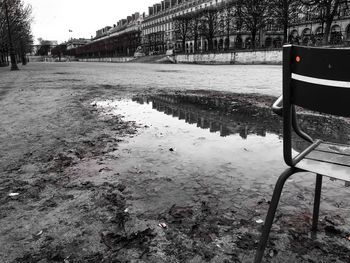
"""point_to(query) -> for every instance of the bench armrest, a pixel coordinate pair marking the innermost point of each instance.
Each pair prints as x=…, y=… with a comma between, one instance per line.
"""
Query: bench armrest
x=278, y=109
x=277, y=106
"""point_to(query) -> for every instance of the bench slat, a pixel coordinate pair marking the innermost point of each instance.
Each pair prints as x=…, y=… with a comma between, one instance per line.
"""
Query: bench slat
x=329, y=157
x=327, y=169
x=334, y=148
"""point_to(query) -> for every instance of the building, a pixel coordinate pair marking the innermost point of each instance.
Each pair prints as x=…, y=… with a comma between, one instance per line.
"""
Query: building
x=74, y=43
x=308, y=30
x=159, y=29
x=102, y=32
x=162, y=30
x=120, y=40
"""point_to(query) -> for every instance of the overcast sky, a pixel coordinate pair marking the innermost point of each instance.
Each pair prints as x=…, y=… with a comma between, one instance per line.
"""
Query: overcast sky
x=54, y=18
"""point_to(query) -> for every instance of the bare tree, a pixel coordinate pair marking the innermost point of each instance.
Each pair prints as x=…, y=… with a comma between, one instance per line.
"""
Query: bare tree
x=194, y=29
x=325, y=10
x=182, y=29
x=284, y=11
x=228, y=19
x=19, y=20
x=59, y=51
x=254, y=14
x=210, y=24
x=44, y=47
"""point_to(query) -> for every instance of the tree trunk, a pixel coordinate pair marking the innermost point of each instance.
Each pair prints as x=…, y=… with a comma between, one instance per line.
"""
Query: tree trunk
x=210, y=44
x=285, y=33
x=24, y=59
x=285, y=21
x=253, y=39
x=195, y=48
x=327, y=32
x=195, y=36
x=228, y=35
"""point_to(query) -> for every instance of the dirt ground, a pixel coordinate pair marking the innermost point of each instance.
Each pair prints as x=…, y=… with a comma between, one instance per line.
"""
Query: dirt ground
x=67, y=195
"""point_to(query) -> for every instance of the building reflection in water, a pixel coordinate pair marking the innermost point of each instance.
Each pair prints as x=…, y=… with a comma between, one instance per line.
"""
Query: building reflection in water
x=237, y=122
x=211, y=114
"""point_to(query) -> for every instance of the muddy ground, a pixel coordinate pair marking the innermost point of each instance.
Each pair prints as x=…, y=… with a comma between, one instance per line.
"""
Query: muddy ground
x=70, y=190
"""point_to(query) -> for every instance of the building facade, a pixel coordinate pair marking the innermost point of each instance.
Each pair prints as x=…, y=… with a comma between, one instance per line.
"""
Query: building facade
x=309, y=29
x=162, y=29
x=122, y=39
x=74, y=43
x=159, y=29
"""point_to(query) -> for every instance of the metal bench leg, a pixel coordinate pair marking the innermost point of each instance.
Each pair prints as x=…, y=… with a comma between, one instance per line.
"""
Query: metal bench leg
x=271, y=213
x=317, y=201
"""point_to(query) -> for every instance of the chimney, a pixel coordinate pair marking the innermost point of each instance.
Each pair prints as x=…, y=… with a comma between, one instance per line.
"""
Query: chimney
x=167, y=4
x=159, y=7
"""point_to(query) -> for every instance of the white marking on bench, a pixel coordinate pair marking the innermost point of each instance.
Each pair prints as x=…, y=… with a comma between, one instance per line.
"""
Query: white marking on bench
x=325, y=82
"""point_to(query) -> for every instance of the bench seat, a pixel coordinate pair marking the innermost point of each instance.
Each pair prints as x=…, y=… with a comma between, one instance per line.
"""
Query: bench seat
x=331, y=160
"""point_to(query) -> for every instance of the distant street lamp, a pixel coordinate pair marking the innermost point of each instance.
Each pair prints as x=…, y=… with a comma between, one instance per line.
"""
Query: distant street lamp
x=12, y=51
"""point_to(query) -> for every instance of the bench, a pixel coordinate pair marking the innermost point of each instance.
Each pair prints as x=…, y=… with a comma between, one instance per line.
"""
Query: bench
x=317, y=79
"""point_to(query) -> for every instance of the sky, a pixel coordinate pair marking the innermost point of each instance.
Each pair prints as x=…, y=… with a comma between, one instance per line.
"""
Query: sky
x=54, y=18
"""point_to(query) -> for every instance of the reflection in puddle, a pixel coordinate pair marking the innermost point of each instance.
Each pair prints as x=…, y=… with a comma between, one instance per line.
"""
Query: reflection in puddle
x=210, y=138
x=243, y=142
x=206, y=142
x=225, y=123
x=218, y=117
x=234, y=155
x=235, y=122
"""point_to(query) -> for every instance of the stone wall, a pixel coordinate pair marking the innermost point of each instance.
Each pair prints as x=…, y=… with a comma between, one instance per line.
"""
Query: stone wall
x=240, y=57
x=115, y=60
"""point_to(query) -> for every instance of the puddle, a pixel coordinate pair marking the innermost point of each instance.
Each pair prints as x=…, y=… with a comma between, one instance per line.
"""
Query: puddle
x=195, y=141
x=184, y=153
x=240, y=143
x=237, y=123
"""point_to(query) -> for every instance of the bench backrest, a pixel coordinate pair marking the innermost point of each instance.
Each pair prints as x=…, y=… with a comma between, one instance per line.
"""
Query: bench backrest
x=319, y=79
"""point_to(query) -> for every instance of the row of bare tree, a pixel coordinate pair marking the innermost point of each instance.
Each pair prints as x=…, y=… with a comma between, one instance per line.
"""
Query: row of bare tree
x=236, y=16
x=15, y=29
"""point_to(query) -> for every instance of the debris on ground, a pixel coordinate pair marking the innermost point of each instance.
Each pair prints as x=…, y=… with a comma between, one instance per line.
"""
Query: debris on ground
x=162, y=225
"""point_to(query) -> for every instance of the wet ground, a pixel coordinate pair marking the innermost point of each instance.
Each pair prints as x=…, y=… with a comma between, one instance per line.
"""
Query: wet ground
x=110, y=172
